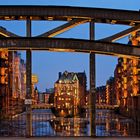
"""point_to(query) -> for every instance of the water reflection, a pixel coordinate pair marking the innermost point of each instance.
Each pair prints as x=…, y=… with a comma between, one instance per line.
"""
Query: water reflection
x=45, y=124
x=70, y=126
x=110, y=124
x=107, y=124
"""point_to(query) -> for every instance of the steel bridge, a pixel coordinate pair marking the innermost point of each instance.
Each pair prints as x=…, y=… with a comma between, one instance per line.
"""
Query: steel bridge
x=74, y=16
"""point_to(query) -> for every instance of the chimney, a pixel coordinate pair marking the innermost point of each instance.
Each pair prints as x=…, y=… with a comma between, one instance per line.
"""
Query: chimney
x=59, y=75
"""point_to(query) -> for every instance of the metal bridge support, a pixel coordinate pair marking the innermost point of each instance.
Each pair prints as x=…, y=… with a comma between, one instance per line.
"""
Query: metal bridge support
x=92, y=86
x=28, y=84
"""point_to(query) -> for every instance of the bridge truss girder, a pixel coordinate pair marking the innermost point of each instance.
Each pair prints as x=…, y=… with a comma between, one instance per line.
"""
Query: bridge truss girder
x=70, y=45
x=66, y=13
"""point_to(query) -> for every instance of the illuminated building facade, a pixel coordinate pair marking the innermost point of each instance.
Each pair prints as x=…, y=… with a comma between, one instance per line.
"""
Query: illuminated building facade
x=106, y=95
x=101, y=95
x=18, y=88
x=118, y=80
x=3, y=81
x=110, y=92
x=127, y=88
x=70, y=88
x=12, y=83
x=43, y=97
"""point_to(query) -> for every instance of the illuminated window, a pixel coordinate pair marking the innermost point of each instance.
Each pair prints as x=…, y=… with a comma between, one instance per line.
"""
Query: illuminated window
x=119, y=85
x=124, y=102
x=135, y=79
x=135, y=90
x=125, y=93
x=125, y=86
x=135, y=62
x=68, y=93
x=119, y=71
x=125, y=79
x=134, y=70
x=124, y=67
x=124, y=60
x=67, y=104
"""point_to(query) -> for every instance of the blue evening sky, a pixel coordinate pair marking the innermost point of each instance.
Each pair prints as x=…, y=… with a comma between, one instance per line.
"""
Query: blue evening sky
x=47, y=64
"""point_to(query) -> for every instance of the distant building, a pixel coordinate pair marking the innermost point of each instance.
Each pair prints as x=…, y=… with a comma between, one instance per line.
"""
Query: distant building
x=50, y=90
x=69, y=89
x=44, y=97
x=101, y=95
x=41, y=98
x=110, y=92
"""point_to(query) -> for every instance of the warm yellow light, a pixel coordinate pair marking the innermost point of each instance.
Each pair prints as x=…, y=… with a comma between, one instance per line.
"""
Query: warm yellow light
x=125, y=79
x=124, y=60
x=124, y=67
x=125, y=93
x=4, y=54
x=135, y=90
x=125, y=86
x=119, y=71
x=135, y=42
x=119, y=85
x=50, y=18
x=34, y=79
x=61, y=50
x=3, y=34
x=134, y=70
x=124, y=102
x=135, y=62
x=135, y=79
x=2, y=72
x=2, y=79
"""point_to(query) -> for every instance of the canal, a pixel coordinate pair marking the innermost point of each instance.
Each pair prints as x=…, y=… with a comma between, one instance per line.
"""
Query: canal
x=44, y=123
x=108, y=123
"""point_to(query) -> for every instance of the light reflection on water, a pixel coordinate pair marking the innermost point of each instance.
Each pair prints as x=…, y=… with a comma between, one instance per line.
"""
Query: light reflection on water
x=45, y=124
x=110, y=124
x=107, y=124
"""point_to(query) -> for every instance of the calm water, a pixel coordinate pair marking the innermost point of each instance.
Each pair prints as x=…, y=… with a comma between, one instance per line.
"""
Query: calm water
x=46, y=124
x=107, y=124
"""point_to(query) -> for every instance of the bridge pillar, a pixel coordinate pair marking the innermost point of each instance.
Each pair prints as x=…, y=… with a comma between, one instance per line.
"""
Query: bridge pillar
x=92, y=86
x=28, y=83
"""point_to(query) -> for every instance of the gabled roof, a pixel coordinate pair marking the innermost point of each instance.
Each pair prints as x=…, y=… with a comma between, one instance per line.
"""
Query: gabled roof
x=70, y=77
